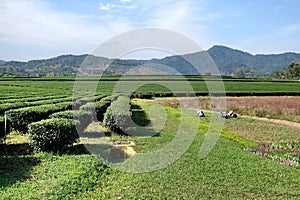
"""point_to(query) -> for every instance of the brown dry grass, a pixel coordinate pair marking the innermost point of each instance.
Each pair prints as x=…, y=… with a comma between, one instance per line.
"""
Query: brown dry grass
x=277, y=107
x=274, y=107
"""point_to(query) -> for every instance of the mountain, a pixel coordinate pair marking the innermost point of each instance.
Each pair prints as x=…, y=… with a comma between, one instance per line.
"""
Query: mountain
x=229, y=61
x=2, y=62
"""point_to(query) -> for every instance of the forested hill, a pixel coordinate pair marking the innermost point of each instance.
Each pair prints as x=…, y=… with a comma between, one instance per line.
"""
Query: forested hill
x=229, y=61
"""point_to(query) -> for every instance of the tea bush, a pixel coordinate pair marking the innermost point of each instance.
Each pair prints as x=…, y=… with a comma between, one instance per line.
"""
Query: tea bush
x=19, y=119
x=31, y=99
x=52, y=134
x=118, y=115
x=99, y=107
x=2, y=124
x=89, y=99
x=16, y=105
x=83, y=117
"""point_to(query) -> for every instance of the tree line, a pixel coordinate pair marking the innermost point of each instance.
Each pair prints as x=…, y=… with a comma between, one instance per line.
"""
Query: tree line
x=291, y=72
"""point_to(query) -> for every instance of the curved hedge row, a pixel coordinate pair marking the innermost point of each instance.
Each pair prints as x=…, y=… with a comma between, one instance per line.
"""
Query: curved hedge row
x=83, y=117
x=19, y=119
x=85, y=100
x=13, y=95
x=9, y=106
x=99, y=107
x=118, y=115
x=2, y=124
x=52, y=134
x=32, y=99
x=88, y=99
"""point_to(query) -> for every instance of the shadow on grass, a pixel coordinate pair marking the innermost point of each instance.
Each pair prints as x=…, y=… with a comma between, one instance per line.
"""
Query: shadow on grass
x=93, y=178
x=15, y=164
x=140, y=118
x=95, y=134
x=16, y=161
x=15, y=149
x=77, y=149
x=108, y=153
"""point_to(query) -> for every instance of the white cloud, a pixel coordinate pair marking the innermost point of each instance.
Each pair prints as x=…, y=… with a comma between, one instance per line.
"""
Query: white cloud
x=37, y=28
x=186, y=17
x=119, y=7
x=105, y=6
x=33, y=22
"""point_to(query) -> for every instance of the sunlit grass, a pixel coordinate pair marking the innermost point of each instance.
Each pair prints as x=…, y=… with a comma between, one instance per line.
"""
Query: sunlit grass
x=228, y=172
x=262, y=131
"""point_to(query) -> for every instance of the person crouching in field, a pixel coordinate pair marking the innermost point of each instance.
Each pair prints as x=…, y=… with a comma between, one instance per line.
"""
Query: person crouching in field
x=224, y=115
x=200, y=113
x=232, y=114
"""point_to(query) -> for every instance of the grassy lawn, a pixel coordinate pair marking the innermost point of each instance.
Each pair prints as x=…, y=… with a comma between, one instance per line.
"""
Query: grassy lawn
x=228, y=172
x=262, y=131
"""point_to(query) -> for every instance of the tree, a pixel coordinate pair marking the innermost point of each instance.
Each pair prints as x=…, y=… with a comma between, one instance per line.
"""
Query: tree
x=278, y=74
x=293, y=71
x=239, y=73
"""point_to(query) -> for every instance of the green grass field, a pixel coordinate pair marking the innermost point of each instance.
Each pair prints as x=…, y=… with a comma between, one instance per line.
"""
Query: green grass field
x=228, y=172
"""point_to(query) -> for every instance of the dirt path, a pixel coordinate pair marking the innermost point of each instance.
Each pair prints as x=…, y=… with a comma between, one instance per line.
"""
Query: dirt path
x=277, y=121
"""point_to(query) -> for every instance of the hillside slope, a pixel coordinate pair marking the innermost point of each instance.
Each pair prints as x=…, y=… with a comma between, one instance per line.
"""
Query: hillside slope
x=228, y=61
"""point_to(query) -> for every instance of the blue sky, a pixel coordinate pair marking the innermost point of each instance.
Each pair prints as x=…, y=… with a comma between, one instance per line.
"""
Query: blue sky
x=32, y=29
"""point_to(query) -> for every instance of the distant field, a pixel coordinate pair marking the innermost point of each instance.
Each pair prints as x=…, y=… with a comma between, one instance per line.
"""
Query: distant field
x=152, y=85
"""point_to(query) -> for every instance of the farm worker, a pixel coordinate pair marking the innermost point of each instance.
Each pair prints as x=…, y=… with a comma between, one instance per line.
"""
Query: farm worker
x=224, y=115
x=232, y=114
x=200, y=113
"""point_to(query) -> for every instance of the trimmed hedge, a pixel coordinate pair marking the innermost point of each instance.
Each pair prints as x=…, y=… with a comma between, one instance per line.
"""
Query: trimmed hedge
x=52, y=134
x=84, y=117
x=118, y=115
x=99, y=107
x=85, y=100
x=2, y=124
x=19, y=119
x=31, y=99
x=9, y=106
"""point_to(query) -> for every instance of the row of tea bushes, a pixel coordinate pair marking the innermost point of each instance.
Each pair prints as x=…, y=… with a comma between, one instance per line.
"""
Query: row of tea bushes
x=118, y=116
x=83, y=117
x=32, y=99
x=10, y=106
x=19, y=119
x=15, y=95
x=97, y=109
x=61, y=130
x=89, y=99
x=54, y=127
x=53, y=134
x=2, y=127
